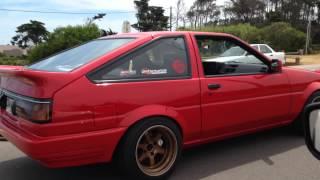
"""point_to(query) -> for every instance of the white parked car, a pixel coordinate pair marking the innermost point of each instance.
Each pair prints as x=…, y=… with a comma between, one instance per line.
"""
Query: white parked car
x=269, y=52
x=236, y=54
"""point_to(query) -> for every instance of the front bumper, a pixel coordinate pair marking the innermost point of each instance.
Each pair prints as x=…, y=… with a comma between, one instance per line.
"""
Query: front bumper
x=66, y=150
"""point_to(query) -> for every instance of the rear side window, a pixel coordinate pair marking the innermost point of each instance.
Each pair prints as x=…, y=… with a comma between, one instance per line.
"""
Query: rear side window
x=73, y=58
x=164, y=58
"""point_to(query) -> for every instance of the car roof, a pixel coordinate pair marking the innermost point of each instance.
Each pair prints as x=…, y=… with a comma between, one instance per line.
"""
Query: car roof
x=162, y=33
x=257, y=44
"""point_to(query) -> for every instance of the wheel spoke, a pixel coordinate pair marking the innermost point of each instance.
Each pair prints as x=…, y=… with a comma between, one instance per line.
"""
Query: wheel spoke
x=148, y=138
x=143, y=157
x=152, y=160
x=160, y=150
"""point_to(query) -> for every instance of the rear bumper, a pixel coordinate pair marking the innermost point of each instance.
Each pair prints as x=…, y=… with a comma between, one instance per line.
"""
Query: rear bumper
x=67, y=150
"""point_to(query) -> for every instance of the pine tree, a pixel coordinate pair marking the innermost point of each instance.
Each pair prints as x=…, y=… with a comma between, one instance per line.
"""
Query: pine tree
x=150, y=18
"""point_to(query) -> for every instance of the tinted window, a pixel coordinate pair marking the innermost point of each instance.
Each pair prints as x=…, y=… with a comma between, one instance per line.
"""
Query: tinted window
x=226, y=56
x=78, y=56
x=163, y=58
x=265, y=49
x=234, y=51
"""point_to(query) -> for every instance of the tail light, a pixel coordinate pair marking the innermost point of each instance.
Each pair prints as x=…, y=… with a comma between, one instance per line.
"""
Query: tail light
x=35, y=110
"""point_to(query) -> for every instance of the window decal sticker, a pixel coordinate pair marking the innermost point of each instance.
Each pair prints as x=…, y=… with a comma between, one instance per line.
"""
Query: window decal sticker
x=154, y=71
x=179, y=66
x=128, y=73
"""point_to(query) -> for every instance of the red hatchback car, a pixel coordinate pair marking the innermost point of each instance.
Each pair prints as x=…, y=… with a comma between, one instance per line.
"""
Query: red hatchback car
x=139, y=99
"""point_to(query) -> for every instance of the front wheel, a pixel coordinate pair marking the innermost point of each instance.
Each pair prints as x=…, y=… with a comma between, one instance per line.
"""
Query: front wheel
x=298, y=123
x=150, y=149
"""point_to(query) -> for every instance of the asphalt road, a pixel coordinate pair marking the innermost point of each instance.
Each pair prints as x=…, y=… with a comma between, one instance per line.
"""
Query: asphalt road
x=276, y=154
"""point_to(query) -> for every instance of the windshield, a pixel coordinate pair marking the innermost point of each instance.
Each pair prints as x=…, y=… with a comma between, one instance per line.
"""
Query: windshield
x=234, y=51
x=73, y=58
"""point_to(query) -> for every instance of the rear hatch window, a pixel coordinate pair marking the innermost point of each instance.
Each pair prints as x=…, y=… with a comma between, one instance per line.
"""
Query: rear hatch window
x=73, y=58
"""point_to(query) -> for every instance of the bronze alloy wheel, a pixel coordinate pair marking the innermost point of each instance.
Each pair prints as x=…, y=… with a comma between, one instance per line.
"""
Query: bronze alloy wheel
x=156, y=150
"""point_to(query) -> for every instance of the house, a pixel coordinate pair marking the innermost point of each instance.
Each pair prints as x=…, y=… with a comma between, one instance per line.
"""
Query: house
x=10, y=50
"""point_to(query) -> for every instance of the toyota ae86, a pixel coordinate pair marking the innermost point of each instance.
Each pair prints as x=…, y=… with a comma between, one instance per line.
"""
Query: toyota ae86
x=138, y=99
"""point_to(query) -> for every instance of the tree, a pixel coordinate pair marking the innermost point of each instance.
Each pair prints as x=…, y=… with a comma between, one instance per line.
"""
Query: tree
x=108, y=32
x=203, y=12
x=63, y=38
x=246, y=11
x=150, y=18
x=29, y=34
x=296, y=12
x=283, y=37
x=181, y=13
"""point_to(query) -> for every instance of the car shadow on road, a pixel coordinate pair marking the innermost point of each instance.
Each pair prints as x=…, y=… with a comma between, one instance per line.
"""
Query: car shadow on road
x=216, y=157
x=196, y=163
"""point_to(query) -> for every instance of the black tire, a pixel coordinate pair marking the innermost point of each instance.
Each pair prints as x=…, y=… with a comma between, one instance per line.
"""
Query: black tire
x=2, y=138
x=297, y=125
x=128, y=154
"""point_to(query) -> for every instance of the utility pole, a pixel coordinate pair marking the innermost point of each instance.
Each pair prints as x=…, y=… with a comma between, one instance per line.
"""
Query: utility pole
x=308, y=36
x=170, y=18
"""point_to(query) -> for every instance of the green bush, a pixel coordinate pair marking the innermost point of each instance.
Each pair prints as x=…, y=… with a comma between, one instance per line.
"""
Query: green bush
x=8, y=60
x=282, y=36
x=246, y=32
x=63, y=38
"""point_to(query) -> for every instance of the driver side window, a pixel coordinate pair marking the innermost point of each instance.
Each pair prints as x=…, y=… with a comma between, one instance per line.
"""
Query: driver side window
x=222, y=56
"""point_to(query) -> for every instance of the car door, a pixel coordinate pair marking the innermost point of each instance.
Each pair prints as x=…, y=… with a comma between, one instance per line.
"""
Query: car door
x=238, y=95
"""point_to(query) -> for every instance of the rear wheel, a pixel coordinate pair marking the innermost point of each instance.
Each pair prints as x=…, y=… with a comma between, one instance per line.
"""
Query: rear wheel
x=150, y=149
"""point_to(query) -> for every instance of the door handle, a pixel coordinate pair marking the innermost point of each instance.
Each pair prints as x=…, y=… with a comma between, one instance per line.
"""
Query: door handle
x=214, y=86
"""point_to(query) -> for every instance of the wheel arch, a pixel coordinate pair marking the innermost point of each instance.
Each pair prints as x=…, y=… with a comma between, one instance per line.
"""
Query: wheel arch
x=143, y=114
x=300, y=103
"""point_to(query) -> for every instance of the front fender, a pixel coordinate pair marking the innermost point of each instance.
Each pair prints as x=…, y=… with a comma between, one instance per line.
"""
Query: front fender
x=302, y=98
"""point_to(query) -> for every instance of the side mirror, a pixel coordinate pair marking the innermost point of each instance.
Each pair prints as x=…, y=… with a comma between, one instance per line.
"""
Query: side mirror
x=312, y=128
x=276, y=65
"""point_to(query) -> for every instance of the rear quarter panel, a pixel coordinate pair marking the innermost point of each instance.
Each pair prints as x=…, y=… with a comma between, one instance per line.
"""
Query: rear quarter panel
x=113, y=105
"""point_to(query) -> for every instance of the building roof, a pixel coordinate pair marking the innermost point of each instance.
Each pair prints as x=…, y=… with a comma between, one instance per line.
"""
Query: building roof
x=12, y=49
x=8, y=47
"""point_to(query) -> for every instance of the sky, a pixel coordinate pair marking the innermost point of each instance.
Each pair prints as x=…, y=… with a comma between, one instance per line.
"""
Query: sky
x=114, y=8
